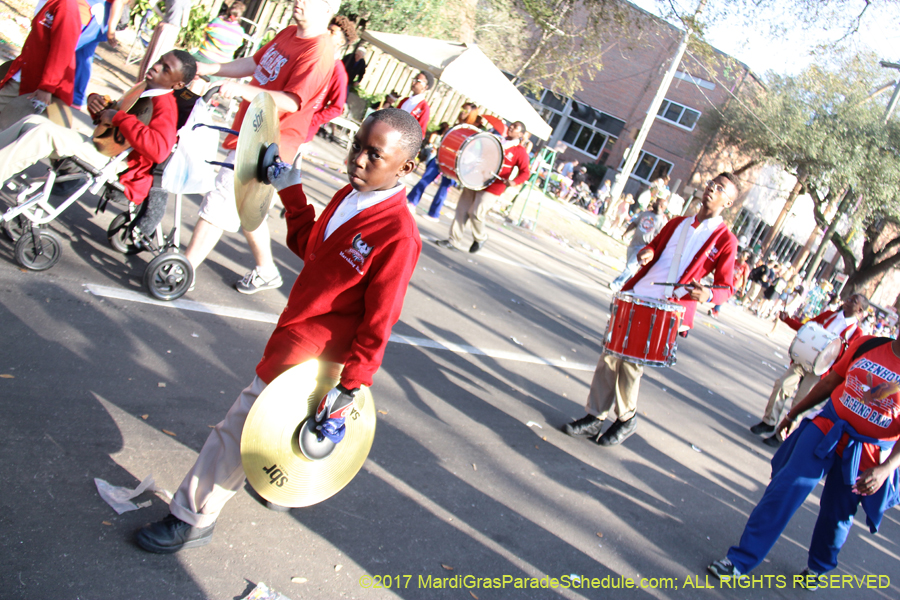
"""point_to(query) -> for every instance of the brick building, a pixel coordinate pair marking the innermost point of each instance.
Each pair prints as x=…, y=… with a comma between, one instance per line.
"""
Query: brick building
x=599, y=123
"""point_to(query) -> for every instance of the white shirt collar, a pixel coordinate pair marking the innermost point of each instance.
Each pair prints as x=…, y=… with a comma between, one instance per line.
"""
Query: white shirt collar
x=155, y=92
x=507, y=144
x=709, y=224
x=366, y=199
x=412, y=102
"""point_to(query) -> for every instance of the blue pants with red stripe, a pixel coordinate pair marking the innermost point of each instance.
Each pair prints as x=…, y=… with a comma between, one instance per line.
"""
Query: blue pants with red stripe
x=786, y=493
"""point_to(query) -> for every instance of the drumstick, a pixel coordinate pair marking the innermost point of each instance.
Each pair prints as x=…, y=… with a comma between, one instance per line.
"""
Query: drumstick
x=712, y=287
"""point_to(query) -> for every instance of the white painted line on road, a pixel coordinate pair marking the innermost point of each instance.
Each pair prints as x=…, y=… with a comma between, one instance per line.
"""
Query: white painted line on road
x=252, y=315
x=212, y=309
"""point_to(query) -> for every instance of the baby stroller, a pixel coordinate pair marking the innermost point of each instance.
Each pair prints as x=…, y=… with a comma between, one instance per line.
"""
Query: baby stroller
x=169, y=274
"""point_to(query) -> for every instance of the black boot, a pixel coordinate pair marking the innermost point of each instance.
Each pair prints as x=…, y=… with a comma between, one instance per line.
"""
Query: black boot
x=171, y=535
x=588, y=425
x=619, y=432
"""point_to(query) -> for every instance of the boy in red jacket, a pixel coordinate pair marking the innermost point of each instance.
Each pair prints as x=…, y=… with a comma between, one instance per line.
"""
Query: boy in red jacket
x=35, y=138
x=46, y=66
x=707, y=246
x=358, y=258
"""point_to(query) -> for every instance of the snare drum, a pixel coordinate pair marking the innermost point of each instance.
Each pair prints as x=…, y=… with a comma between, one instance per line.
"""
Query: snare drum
x=470, y=156
x=815, y=348
x=643, y=330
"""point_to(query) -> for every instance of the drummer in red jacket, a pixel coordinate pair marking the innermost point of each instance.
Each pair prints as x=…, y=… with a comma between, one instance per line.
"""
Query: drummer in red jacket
x=707, y=246
x=475, y=205
x=796, y=382
x=358, y=257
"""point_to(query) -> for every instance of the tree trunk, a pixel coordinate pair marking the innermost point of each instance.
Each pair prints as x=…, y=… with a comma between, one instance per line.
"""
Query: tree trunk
x=785, y=211
x=865, y=275
x=820, y=252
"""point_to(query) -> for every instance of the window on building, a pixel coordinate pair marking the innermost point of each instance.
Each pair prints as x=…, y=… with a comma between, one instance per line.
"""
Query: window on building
x=678, y=114
x=582, y=131
x=649, y=168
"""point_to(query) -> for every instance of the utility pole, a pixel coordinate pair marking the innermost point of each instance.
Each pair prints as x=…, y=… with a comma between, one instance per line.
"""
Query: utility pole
x=896, y=96
x=633, y=154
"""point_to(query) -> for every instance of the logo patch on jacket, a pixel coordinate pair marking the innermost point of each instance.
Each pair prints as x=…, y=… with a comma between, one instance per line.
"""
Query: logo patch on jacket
x=357, y=253
x=713, y=251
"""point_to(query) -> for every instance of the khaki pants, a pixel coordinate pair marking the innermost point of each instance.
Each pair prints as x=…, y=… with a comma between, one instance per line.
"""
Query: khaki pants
x=218, y=472
x=472, y=206
x=8, y=92
x=615, y=385
x=796, y=383
x=35, y=138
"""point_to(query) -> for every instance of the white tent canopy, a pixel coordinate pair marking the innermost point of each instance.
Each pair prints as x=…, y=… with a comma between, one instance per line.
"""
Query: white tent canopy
x=465, y=68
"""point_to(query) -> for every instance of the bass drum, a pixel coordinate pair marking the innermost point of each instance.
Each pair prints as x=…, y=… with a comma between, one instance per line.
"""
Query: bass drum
x=470, y=156
x=815, y=348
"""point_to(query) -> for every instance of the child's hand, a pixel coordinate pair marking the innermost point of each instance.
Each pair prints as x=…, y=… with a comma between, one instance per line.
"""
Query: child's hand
x=332, y=412
x=282, y=175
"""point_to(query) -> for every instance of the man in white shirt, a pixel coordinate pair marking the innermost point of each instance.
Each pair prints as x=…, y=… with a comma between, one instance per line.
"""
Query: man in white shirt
x=415, y=104
x=706, y=246
x=796, y=382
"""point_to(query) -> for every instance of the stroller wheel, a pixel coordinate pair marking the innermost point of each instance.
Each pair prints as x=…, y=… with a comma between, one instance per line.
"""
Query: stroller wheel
x=168, y=276
x=38, y=249
x=15, y=228
x=119, y=235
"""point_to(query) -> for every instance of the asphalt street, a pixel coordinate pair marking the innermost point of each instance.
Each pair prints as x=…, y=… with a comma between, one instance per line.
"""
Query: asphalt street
x=469, y=476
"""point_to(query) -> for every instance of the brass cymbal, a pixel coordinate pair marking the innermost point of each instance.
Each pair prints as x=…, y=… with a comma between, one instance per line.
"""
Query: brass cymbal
x=270, y=450
x=257, y=145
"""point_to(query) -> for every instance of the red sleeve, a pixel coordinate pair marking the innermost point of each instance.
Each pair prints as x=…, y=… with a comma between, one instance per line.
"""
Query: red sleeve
x=389, y=279
x=156, y=139
x=64, y=33
x=724, y=270
x=300, y=216
x=423, y=118
x=794, y=324
x=522, y=164
x=335, y=100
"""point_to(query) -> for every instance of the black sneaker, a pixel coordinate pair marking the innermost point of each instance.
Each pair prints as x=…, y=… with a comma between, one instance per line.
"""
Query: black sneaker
x=773, y=441
x=619, y=432
x=810, y=579
x=761, y=428
x=476, y=246
x=724, y=570
x=588, y=425
x=445, y=244
x=171, y=535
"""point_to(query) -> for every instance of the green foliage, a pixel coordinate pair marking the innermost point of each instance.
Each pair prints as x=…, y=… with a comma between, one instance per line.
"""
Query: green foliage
x=556, y=43
x=138, y=8
x=191, y=36
x=443, y=19
x=825, y=125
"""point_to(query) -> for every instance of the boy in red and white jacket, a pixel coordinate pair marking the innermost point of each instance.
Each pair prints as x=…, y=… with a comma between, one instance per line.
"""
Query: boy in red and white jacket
x=46, y=66
x=473, y=206
x=358, y=257
x=415, y=104
x=796, y=381
x=707, y=246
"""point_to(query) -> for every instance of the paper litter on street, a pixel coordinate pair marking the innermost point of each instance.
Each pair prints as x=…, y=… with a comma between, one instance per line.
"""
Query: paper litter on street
x=119, y=498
